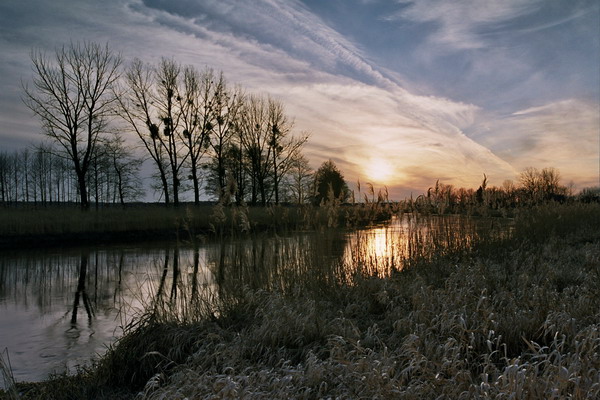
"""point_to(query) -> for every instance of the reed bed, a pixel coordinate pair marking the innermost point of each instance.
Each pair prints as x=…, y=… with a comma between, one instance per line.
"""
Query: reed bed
x=64, y=221
x=496, y=316
x=28, y=225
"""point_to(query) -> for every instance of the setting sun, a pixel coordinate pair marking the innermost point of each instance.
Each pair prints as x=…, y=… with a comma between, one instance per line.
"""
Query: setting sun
x=379, y=171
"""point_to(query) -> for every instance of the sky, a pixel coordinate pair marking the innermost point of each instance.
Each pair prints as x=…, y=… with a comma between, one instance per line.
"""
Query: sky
x=400, y=93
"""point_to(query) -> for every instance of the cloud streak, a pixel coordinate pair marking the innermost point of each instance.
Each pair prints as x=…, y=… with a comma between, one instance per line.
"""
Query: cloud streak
x=564, y=135
x=459, y=23
x=345, y=105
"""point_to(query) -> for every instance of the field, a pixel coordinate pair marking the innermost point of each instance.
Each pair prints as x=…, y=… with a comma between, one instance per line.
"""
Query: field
x=504, y=317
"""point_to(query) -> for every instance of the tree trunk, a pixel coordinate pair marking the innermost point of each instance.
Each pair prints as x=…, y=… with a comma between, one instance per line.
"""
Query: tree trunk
x=196, y=184
x=85, y=205
x=120, y=187
x=80, y=288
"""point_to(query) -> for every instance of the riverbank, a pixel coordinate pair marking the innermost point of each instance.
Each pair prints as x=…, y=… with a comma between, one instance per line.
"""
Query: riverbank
x=514, y=316
x=68, y=225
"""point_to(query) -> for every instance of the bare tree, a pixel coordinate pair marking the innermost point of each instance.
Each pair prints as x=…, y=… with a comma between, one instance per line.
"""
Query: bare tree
x=125, y=166
x=5, y=172
x=254, y=126
x=226, y=106
x=301, y=179
x=196, y=103
x=167, y=81
x=72, y=96
x=136, y=105
x=157, y=106
x=542, y=185
x=283, y=148
x=530, y=182
x=10, y=177
x=550, y=183
x=268, y=145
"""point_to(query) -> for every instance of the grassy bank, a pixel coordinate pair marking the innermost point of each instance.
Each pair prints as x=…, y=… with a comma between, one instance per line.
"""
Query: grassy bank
x=28, y=226
x=512, y=318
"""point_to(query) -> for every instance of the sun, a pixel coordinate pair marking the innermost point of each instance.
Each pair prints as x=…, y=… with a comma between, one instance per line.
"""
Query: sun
x=379, y=171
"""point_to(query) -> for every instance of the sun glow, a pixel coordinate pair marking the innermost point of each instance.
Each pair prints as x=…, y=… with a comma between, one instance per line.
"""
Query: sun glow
x=379, y=171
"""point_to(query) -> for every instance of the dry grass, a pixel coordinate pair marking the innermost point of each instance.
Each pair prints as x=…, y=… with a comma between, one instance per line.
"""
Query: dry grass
x=56, y=224
x=481, y=334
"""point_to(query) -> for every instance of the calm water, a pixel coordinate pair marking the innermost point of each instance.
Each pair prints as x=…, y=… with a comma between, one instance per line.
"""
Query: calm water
x=59, y=308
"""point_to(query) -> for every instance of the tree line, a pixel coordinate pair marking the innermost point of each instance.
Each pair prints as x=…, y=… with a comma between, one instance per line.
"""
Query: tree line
x=533, y=186
x=201, y=134
x=41, y=175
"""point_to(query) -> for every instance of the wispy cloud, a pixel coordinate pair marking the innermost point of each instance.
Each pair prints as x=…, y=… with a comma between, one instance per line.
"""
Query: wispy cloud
x=564, y=135
x=286, y=26
x=355, y=114
x=458, y=23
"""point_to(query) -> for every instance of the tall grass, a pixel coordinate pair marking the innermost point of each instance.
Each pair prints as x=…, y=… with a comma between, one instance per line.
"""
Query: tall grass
x=41, y=222
x=8, y=379
x=39, y=226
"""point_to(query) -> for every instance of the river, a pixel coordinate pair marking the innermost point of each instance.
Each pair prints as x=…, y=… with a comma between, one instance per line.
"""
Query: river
x=60, y=307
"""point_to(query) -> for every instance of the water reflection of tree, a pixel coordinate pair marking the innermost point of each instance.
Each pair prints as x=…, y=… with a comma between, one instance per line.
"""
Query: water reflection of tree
x=277, y=262
x=118, y=287
x=163, y=277
x=208, y=279
x=161, y=299
x=195, y=269
x=81, y=293
x=175, y=282
x=47, y=280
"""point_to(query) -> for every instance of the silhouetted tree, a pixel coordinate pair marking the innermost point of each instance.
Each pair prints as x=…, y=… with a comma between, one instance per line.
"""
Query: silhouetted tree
x=530, y=182
x=72, y=96
x=5, y=173
x=226, y=106
x=81, y=292
x=136, y=105
x=329, y=182
x=267, y=145
x=542, y=185
x=481, y=190
x=283, y=148
x=125, y=167
x=550, y=184
x=196, y=107
x=253, y=124
x=300, y=179
x=168, y=91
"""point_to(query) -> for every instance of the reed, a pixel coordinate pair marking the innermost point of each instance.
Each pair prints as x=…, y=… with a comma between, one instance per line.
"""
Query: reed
x=40, y=226
x=8, y=379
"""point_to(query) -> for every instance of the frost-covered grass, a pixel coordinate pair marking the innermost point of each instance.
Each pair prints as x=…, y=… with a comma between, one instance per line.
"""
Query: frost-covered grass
x=511, y=318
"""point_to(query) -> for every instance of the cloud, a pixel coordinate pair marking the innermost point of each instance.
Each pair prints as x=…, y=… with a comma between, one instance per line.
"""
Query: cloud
x=354, y=113
x=413, y=134
x=563, y=134
x=285, y=26
x=458, y=22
